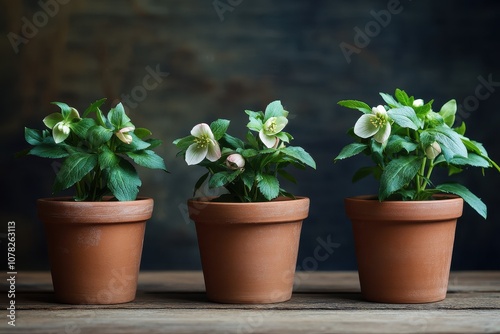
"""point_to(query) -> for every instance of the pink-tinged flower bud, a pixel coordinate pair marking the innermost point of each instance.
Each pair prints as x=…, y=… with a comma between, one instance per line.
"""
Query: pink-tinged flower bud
x=433, y=150
x=235, y=161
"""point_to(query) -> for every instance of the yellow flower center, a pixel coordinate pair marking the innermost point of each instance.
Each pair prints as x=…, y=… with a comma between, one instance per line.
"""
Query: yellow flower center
x=378, y=121
x=203, y=141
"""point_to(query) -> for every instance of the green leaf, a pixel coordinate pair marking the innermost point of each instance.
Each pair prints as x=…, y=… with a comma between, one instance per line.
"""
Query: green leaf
x=471, y=160
x=354, y=104
x=184, y=143
x=81, y=127
x=471, y=199
x=248, y=178
x=74, y=169
x=220, y=179
x=52, y=151
x=123, y=181
x=148, y=159
x=350, y=150
x=448, y=111
x=234, y=142
x=450, y=142
x=405, y=117
x=461, y=129
x=65, y=109
x=287, y=176
x=397, y=143
x=391, y=102
x=274, y=109
x=107, y=158
x=397, y=174
x=117, y=116
x=402, y=97
x=300, y=154
x=219, y=128
x=136, y=145
x=97, y=135
x=248, y=153
x=94, y=107
x=32, y=136
x=142, y=133
x=268, y=186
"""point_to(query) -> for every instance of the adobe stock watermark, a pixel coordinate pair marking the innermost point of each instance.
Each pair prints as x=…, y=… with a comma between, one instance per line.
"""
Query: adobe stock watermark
x=373, y=28
x=222, y=6
x=150, y=81
x=30, y=28
x=483, y=91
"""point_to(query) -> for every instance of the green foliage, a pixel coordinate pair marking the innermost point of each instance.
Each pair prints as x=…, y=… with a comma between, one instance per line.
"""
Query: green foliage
x=96, y=152
x=420, y=140
x=248, y=169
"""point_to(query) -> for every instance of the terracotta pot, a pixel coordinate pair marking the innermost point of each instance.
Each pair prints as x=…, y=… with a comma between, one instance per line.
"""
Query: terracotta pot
x=404, y=248
x=94, y=248
x=249, y=250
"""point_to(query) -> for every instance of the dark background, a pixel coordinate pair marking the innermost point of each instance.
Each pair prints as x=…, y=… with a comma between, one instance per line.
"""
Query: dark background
x=243, y=56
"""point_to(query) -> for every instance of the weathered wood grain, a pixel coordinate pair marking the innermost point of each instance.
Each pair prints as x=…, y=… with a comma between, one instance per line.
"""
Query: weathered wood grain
x=323, y=302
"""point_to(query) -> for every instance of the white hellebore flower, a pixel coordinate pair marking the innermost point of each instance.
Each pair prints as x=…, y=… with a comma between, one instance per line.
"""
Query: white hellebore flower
x=204, y=146
x=269, y=130
x=375, y=124
x=123, y=134
x=433, y=150
x=235, y=161
x=418, y=103
x=60, y=125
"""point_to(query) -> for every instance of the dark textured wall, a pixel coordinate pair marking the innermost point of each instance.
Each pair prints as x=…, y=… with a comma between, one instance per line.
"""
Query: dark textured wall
x=214, y=59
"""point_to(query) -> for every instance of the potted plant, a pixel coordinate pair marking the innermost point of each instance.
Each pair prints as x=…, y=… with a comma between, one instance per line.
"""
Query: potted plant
x=248, y=235
x=404, y=235
x=95, y=237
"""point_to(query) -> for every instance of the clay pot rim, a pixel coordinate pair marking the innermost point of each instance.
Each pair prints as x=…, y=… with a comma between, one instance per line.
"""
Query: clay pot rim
x=61, y=210
x=202, y=210
x=445, y=206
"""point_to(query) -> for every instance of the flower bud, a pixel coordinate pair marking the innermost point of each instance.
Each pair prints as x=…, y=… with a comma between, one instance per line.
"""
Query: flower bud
x=433, y=150
x=418, y=103
x=235, y=161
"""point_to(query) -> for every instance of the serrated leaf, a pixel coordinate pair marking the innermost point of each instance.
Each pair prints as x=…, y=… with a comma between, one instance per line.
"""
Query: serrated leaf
x=94, y=107
x=351, y=150
x=123, y=181
x=300, y=154
x=136, y=144
x=248, y=153
x=275, y=109
x=73, y=169
x=397, y=143
x=248, y=178
x=234, y=142
x=32, y=136
x=391, y=102
x=355, y=104
x=81, y=127
x=97, y=135
x=52, y=151
x=107, y=158
x=450, y=142
x=405, y=168
x=402, y=97
x=148, y=159
x=117, y=116
x=268, y=186
x=219, y=128
x=220, y=179
x=471, y=199
x=405, y=117
x=472, y=160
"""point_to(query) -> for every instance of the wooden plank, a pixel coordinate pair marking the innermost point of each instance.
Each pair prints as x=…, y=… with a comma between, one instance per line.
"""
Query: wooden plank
x=299, y=301
x=339, y=281
x=256, y=321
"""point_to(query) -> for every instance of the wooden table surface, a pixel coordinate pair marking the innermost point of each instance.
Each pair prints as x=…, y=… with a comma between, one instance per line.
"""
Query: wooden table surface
x=323, y=302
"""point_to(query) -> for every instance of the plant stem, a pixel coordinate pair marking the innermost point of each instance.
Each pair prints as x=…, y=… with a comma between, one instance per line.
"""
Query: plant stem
x=420, y=173
x=428, y=175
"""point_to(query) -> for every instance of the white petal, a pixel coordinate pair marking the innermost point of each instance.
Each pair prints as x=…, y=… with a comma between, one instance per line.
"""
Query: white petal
x=201, y=130
x=60, y=132
x=269, y=141
x=364, y=128
x=383, y=134
x=418, y=103
x=195, y=155
x=379, y=110
x=213, y=151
